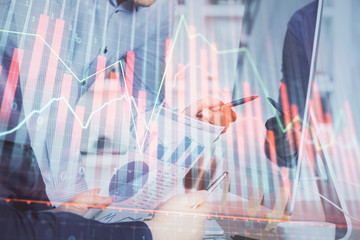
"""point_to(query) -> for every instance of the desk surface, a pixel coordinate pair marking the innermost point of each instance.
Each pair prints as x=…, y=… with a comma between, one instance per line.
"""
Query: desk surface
x=237, y=216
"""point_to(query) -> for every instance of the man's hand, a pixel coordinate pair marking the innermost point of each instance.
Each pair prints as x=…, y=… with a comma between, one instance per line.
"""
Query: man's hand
x=177, y=220
x=81, y=203
x=285, y=142
x=144, y=3
x=201, y=111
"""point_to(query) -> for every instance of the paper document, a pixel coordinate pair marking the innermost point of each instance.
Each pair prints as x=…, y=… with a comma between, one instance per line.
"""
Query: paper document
x=139, y=181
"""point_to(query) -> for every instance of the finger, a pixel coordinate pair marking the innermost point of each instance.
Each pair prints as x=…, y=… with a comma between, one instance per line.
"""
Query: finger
x=85, y=197
x=94, y=192
x=208, y=102
x=216, y=118
x=203, y=208
x=227, y=111
x=101, y=201
x=202, y=104
x=223, y=117
x=229, y=114
x=195, y=198
x=203, y=119
x=96, y=200
x=207, y=116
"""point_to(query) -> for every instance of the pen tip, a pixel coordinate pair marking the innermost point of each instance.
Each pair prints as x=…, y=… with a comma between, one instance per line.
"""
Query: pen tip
x=270, y=100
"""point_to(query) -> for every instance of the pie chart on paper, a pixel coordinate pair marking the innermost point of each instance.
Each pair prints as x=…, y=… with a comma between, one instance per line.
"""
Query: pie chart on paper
x=128, y=180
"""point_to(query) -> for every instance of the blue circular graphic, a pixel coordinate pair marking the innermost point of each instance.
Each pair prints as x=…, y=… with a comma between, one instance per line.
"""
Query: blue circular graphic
x=128, y=180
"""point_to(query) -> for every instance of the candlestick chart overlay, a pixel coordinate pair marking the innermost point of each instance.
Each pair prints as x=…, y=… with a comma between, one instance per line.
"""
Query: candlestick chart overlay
x=100, y=93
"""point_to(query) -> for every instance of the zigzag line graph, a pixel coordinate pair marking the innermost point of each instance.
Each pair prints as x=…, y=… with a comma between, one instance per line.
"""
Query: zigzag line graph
x=182, y=23
x=83, y=125
x=58, y=57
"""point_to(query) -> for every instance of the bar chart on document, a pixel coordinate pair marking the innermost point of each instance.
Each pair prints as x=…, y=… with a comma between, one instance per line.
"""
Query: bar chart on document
x=139, y=181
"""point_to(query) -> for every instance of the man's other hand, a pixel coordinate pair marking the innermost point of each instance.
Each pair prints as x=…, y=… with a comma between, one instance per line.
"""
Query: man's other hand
x=176, y=219
x=81, y=203
x=201, y=111
x=284, y=142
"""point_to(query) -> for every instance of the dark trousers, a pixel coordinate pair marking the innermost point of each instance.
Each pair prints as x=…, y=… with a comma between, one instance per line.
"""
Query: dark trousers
x=20, y=180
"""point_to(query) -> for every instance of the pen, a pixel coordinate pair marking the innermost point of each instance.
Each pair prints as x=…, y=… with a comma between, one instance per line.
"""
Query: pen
x=213, y=185
x=231, y=104
x=235, y=103
x=275, y=105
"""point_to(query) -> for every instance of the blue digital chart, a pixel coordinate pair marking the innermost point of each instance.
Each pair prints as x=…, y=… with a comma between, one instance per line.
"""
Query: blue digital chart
x=128, y=181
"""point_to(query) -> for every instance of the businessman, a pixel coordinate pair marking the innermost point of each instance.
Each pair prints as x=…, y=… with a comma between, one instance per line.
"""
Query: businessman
x=296, y=61
x=84, y=37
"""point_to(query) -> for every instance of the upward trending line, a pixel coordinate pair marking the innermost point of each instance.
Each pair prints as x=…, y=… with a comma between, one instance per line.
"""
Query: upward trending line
x=182, y=22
